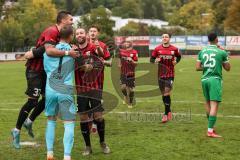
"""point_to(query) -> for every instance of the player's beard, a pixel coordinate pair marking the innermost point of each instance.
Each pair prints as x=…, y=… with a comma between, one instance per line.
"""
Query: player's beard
x=82, y=41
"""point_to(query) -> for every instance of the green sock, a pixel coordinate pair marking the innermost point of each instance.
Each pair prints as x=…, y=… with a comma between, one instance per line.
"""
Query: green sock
x=211, y=121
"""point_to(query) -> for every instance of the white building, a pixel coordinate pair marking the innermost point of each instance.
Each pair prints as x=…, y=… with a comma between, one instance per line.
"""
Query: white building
x=121, y=22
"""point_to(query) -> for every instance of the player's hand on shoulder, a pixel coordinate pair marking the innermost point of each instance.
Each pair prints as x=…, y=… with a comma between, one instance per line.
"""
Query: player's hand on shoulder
x=29, y=55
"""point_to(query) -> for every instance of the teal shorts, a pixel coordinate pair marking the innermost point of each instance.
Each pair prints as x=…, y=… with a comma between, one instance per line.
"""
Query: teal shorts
x=61, y=105
x=212, y=89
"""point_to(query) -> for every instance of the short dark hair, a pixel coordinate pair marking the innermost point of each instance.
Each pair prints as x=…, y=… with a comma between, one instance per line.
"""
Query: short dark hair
x=66, y=31
x=169, y=34
x=95, y=26
x=85, y=30
x=212, y=37
x=61, y=15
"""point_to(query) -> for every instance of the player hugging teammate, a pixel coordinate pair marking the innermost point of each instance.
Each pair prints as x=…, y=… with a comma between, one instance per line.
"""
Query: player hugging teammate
x=36, y=76
x=59, y=94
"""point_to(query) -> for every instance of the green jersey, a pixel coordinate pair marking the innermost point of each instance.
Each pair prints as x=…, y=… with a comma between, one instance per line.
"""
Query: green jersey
x=212, y=58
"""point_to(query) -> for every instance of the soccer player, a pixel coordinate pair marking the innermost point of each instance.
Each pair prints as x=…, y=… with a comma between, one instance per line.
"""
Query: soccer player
x=128, y=61
x=89, y=85
x=211, y=60
x=36, y=76
x=167, y=56
x=59, y=94
x=93, y=33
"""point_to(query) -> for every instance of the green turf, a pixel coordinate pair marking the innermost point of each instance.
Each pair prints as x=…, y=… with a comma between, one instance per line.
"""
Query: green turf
x=135, y=136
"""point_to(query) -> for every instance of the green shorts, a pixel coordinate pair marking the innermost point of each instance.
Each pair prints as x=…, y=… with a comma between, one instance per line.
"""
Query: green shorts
x=212, y=89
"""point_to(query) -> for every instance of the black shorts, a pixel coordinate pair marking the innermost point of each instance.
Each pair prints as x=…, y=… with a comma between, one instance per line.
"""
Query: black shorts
x=165, y=83
x=129, y=81
x=90, y=102
x=36, y=83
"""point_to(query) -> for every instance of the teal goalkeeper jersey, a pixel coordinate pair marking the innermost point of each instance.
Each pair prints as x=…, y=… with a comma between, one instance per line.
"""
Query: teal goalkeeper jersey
x=60, y=71
x=212, y=58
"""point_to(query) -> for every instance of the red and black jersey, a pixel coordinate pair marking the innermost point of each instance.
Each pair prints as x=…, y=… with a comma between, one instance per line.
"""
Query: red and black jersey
x=127, y=67
x=105, y=50
x=49, y=35
x=92, y=80
x=166, y=55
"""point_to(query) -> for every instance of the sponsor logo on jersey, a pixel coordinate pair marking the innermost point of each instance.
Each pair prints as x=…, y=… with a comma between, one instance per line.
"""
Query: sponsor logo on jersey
x=166, y=56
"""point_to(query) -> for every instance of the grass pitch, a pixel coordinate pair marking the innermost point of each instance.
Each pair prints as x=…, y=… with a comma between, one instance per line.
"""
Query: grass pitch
x=135, y=134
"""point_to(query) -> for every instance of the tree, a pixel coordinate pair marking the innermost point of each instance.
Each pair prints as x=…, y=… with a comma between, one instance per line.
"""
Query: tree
x=99, y=17
x=153, y=9
x=69, y=5
x=37, y=15
x=128, y=9
x=220, y=8
x=84, y=7
x=110, y=3
x=60, y=4
x=78, y=7
x=106, y=3
x=137, y=29
x=1, y=6
x=196, y=16
x=11, y=35
x=81, y=7
x=133, y=29
x=232, y=22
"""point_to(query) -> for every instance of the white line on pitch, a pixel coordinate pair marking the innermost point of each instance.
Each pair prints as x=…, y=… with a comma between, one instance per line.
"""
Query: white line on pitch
x=192, y=114
x=27, y=143
x=142, y=100
x=147, y=113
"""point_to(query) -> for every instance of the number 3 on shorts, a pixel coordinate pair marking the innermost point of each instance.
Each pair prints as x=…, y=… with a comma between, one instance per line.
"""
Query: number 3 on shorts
x=37, y=92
